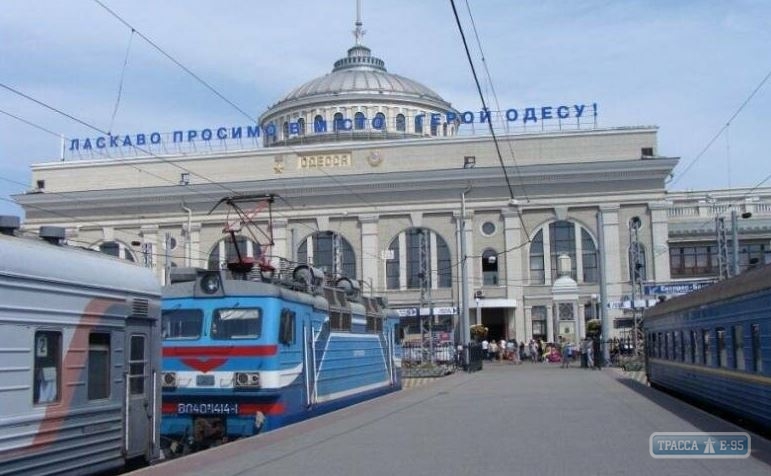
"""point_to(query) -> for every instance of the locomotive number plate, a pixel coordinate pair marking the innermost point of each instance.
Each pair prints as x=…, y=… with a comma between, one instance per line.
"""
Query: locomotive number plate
x=206, y=408
x=204, y=380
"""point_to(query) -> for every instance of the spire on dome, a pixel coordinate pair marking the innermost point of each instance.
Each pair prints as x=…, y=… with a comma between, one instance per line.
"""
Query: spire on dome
x=359, y=32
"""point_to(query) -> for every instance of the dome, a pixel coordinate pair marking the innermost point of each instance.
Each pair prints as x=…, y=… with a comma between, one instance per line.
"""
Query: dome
x=359, y=75
x=358, y=100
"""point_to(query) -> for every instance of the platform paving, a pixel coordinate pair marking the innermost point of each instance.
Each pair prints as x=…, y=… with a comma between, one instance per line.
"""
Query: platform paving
x=530, y=419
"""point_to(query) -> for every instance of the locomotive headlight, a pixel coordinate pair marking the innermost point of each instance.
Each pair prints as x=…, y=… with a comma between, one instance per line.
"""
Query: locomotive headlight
x=169, y=379
x=246, y=379
x=210, y=283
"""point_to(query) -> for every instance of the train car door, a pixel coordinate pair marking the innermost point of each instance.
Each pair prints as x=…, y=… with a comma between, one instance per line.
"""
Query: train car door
x=138, y=405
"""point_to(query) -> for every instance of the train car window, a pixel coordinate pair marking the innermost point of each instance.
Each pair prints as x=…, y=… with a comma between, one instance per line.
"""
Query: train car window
x=236, y=324
x=180, y=324
x=286, y=334
x=677, y=344
x=48, y=367
x=738, y=339
x=137, y=364
x=660, y=348
x=687, y=344
x=692, y=338
x=757, y=356
x=98, y=366
x=722, y=353
x=706, y=355
x=667, y=345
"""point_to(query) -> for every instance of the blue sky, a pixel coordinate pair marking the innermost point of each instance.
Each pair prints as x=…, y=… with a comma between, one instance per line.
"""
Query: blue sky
x=684, y=66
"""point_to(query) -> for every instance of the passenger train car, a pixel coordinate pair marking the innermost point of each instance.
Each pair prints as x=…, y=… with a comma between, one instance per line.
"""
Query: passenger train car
x=243, y=356
x=713, y=346
x=79, y=357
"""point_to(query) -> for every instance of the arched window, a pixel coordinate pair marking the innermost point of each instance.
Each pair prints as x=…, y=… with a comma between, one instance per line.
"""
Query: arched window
x=380, y=120
x=425, y=255
x=419, y=124
x=226, y=251
x=490, y=268
x=286, y=130
x=330, y=252
x=359, y=121
x=319, y=125
x=590, y=259
x=337, y=125
x=301, y=126
x=561, y=237
x=117, y=249
x=401, y=124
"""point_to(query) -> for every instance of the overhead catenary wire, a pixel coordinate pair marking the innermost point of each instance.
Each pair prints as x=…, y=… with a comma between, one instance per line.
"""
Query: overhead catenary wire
x=720, y=131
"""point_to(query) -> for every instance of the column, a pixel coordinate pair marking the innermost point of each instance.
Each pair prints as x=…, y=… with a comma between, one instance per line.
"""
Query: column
x=514, y=272
x=280, y=242
x=660, y=234
x=611, y=257
x=371, y=272
x=550, y=323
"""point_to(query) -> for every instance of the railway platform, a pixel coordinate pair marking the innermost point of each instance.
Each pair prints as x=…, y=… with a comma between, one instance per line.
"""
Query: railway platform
x=534, y=419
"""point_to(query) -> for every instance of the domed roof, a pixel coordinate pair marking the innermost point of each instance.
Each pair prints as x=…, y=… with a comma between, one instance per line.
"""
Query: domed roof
x=360, y=72
x=360, y=75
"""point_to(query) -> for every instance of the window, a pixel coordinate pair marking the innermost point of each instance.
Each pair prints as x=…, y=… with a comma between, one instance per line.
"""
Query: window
x=538, y=314
x=590, y=259
x=301, y=126
x=359, y=121
x=563, y=242
x=419, y=124
x=236, y=324
x=705, y=350
x=490, y=268
x=537, y=274
x=380, y=120
x=488, y=228
x=329, y=252
x=722, y=354
x=337, y=123
x=319, y=124
x=226, y=251
x=286, y=334
x=137, y=364
x=419, y=247
x=677, y=351
x=48, y=367
x=401, y=124
x=181, y=324
x=667, y=342
x=692, y=340
x=757, y=355
x=693, y=260
x=738, y=340
x=286, y=130
x=751, y=254
x=98, y=366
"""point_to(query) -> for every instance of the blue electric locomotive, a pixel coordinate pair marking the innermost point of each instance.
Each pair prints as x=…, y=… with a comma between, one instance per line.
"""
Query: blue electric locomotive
x=242, y=356
x=713, y=346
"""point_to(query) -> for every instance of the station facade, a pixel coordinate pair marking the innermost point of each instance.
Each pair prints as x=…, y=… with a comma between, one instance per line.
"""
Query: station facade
x=372, y=172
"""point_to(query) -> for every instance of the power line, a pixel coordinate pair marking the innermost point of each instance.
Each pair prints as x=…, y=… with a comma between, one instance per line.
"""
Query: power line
x=719, y=132
x=481, y=97
x=174, y=60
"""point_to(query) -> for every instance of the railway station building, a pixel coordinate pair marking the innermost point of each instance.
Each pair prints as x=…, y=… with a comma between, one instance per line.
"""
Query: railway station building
x=377, y=177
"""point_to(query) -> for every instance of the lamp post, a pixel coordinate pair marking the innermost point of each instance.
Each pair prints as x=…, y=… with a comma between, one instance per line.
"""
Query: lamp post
x=464, y=319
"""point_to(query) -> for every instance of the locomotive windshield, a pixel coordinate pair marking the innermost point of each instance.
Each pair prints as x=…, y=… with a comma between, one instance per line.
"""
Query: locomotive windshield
x=182, y=324
x=236, y=324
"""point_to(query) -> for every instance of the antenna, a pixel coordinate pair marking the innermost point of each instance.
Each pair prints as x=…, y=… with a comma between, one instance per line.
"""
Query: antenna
x=358, y=33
